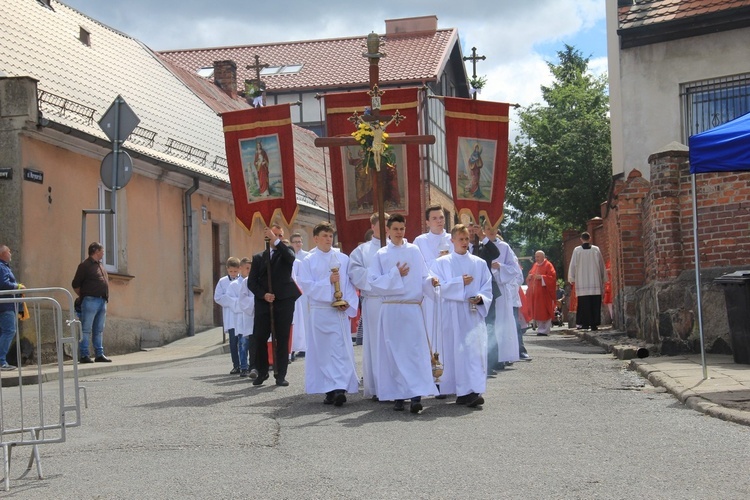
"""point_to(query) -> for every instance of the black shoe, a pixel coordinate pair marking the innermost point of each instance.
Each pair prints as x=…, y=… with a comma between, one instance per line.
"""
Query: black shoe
x=85, y=359
x=300, y=354
x=329, y=399
x=260, y=379
x=415, y=407
x=399, y=406
x=339, y=399
x=540, y=334
x=375, y=399
x=594, y=328
x=462, y=400
x=243, y=373
x=102, y=359
x=441, y=396
x=292, y=357
x=235, y=371
x=282, y=382
x=475, y=400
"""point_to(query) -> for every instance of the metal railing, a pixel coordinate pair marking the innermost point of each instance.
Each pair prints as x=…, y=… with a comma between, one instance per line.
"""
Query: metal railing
x=33, y=417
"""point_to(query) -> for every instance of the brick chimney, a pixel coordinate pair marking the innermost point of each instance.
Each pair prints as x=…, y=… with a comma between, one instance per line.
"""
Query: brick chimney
x=411, y=25
x=225, y=77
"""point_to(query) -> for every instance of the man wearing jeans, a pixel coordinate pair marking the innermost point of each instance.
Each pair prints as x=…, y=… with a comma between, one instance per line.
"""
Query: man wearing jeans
x=8, y=311
x=91, y=283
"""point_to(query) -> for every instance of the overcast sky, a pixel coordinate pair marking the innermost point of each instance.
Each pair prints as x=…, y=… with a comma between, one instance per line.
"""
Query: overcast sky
x=518, y=37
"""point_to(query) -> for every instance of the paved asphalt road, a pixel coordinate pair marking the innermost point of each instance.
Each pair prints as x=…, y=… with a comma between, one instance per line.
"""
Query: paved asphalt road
x=573, y=423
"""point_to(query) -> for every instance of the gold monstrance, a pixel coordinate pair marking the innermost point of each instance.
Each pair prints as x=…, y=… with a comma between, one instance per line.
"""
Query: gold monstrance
x=338, y=301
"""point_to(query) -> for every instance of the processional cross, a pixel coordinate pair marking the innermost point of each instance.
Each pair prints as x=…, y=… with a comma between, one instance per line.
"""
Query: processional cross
x=473, y=58
x=257, y=67
x=378, y=123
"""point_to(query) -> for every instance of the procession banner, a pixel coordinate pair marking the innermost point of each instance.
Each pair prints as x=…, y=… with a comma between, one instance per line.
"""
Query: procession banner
x=354, y=198
x=260, y=156
x=477, y=147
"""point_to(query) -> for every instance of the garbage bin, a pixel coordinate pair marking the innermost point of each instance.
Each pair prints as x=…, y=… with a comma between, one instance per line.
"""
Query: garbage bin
x=737, y=294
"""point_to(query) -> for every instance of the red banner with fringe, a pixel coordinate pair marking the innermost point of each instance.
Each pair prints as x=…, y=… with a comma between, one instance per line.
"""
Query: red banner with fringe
x=260, y=155
x=354, y=199
x=477, y=146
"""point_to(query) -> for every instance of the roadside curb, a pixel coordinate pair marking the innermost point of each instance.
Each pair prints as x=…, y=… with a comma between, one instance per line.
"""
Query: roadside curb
x=687, y=396
x=658, y=378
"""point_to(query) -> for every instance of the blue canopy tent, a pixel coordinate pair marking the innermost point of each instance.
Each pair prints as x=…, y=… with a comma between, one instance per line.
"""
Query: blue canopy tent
x=725, y=148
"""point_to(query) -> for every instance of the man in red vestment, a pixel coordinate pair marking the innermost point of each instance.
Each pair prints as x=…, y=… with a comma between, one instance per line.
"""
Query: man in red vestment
x=542, y=293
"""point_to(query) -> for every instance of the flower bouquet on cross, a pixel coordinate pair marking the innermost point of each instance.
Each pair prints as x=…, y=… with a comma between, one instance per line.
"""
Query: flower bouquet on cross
x=372, y=137
x=254, y=90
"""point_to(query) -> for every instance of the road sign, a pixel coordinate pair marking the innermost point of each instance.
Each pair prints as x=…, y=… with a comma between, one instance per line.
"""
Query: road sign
x=123, y=171
x=128, y=120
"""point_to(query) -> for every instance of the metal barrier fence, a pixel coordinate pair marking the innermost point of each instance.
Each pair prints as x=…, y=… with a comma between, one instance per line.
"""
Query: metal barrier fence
x=33, y=409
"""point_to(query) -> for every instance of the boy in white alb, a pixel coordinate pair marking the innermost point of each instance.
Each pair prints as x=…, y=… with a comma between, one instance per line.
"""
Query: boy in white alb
x=398, y=274
x=300, y=306
x=221, y=298
x=244, y=309
x=359, y=262
x=466, y=294
x=329, y=359
x=434, y=243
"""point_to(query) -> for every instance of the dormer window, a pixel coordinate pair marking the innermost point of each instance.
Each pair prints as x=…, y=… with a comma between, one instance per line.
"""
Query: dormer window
x=85, y=37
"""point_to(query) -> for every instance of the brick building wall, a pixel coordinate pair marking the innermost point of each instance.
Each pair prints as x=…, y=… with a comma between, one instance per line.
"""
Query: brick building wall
x=648, y=228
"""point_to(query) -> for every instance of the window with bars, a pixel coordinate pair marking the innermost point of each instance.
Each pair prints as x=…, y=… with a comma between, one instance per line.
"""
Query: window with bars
x=709, y=103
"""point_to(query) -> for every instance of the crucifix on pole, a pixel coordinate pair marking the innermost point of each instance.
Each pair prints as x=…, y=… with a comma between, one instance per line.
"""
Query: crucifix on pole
x=378, y=124
x=474, y=58
x=257, y=84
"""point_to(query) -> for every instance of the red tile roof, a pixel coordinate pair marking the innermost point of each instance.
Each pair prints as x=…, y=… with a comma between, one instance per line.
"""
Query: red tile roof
x=309, y=160
x=331, y=63
x=645, y=13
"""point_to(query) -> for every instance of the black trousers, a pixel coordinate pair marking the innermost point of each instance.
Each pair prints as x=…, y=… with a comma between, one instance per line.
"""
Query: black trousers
x=589, y=312
x=283, y=313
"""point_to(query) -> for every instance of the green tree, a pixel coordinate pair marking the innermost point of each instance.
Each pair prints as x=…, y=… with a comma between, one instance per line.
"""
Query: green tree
x=560, y=163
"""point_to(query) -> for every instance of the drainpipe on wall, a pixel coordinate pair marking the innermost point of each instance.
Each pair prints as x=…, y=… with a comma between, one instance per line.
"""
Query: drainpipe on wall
x=189, y=298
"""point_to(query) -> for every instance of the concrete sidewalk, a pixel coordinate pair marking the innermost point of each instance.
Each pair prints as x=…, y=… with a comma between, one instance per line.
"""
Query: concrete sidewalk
x=206, y=343
x=724, y=394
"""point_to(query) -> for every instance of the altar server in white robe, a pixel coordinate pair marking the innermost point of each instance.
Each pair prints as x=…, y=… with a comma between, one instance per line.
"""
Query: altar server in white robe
x=508, y=275
x=399, y=275
x=300, y=306
x=465, y=298
x=329, y=359
x=359, y=261
x=433, y=244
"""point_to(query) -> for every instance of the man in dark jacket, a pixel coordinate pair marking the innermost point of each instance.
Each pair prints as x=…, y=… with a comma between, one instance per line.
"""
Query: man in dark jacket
x=270, y=281
x=91, y=283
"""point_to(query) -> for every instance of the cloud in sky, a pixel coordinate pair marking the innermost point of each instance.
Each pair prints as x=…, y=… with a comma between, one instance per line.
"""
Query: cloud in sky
x=517, y=37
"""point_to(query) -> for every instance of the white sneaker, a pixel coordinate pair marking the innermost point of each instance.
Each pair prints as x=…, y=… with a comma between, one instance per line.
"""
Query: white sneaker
x=6, y=367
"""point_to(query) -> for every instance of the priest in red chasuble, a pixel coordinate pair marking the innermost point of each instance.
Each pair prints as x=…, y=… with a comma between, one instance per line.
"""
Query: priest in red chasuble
x=541, y=294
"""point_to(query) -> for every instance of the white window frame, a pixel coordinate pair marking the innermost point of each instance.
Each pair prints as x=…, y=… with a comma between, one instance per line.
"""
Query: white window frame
x=108, y=230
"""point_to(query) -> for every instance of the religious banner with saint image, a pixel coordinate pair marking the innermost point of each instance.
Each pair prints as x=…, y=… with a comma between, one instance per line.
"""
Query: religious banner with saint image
x=477, y=146
x=260, y=155
x=353, y=169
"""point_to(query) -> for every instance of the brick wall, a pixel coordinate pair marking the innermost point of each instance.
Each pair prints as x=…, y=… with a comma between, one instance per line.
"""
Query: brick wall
x=648, y=228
